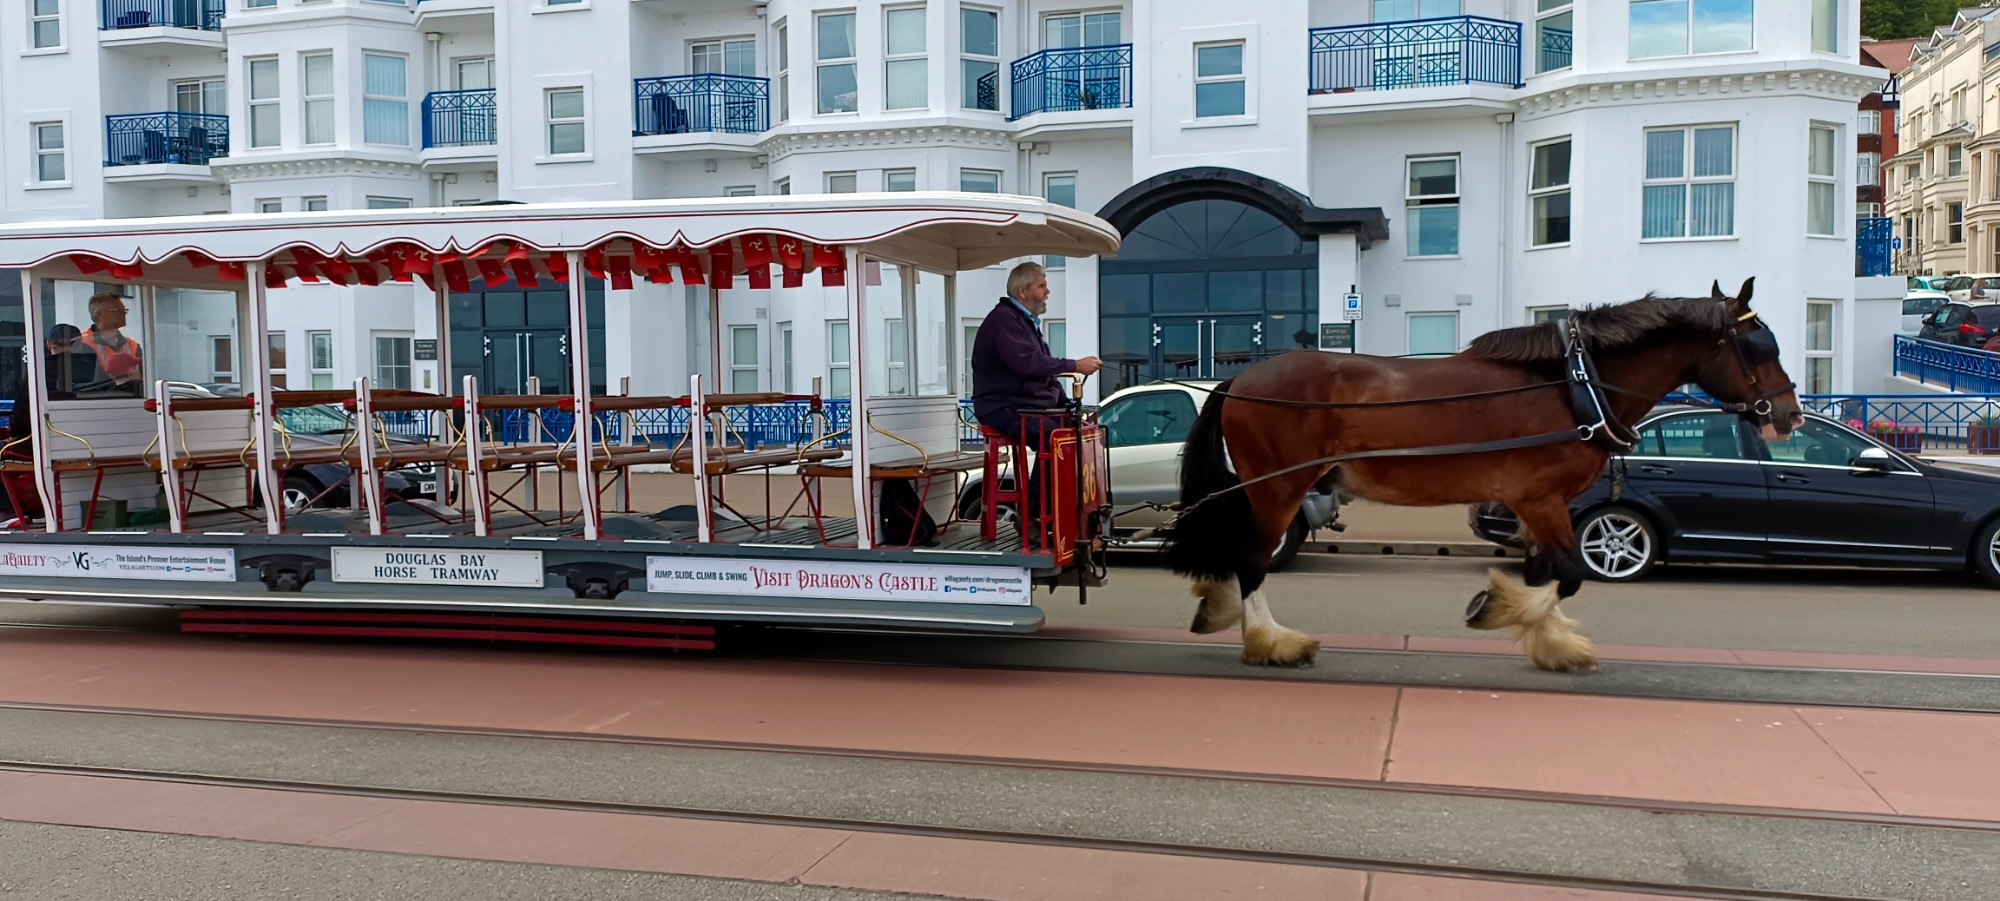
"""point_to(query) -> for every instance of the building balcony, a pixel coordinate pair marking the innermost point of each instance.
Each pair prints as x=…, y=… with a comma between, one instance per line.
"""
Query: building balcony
x=172, y=27
x=1074, y=80
x=709, y=111
x=461, y=125
x=164, y=148
x=1446, y=60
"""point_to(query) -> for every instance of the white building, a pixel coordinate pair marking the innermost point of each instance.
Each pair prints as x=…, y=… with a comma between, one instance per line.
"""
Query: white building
x=1462, y=165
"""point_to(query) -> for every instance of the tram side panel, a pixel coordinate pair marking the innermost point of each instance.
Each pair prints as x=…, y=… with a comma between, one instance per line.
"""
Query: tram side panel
x=121, y=432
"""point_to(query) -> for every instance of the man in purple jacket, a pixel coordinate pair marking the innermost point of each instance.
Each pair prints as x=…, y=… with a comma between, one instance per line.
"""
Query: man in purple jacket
x=1013, y=371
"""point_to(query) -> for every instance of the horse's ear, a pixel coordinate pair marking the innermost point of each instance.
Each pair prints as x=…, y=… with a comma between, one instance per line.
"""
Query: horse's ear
x=1743, y=293
x=1715, y=291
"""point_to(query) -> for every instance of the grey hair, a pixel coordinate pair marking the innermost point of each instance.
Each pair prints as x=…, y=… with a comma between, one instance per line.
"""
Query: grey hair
x=1021, y=276
x=102, y=298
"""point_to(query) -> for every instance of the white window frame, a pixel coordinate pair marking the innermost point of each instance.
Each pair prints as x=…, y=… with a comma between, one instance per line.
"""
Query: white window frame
x=550, y=121
x=386, y=103
x=320, y=376
x=738, y=368
x=266, y=108
x=1543, y=13
x=783, y=52
x=1241, y=75
x=1868, y=122
x=1551, y=190
x=1954, y=223
x=459, y=66
x=277, y=357
x=201, y=94
x=740, y=191
x=842, y=183
x=1056, y=333
x=1539, y=315
x=782, y=186
x=1829, y=178
x=1689, y=180
x=1954, y=160
x=1691, y=28
x=1826, y=353
x=313, y=204
x=821, y=65
x=722, y=47
x=999, y=185
x=310, y=101
x=35, y=23
x=377, y=367
x=1865, y=210
x=837, y=360
x=1413, y=202
x=785, y=356
x=1049, y=181
x=968, y=88
x=920, y=56
x=1868, y=169
x=222, y=376
x=270, y=204
x=39, y=150
x=889, y=174
x=377, y=202
x=968, y=331
x=1825, y=24
x=896, y=358
x=259, y=4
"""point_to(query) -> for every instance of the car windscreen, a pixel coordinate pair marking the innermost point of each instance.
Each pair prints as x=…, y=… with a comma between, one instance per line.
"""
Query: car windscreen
x=315, y=420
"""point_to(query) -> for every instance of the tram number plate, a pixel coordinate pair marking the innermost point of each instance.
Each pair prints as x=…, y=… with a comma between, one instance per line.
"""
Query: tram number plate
x=839, y=580
x=438, y=566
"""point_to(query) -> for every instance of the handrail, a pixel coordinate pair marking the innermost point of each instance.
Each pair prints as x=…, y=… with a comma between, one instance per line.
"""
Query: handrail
x=1062, y=79
x=1446, y=50
x=705, y=102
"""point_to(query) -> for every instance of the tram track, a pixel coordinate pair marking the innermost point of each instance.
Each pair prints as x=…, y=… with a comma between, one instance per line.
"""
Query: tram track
x=1696, y=851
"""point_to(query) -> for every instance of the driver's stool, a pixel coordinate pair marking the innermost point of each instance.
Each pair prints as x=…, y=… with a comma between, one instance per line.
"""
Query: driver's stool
x=991, y=494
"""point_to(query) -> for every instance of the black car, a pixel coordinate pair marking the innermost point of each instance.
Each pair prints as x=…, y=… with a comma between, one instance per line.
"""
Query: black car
x=1963, y=324
x=326, y=425
x=1703, y=488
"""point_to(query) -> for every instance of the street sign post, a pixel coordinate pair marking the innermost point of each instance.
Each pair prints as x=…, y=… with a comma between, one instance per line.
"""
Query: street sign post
x=1352, y=310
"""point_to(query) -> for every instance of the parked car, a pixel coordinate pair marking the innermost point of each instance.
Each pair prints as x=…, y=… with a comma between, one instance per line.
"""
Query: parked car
x=1702, y=488
x=1966, y=325
x=1928, y=282
x=1974, y=287
x=1918, y=304
x=326, y=425
x=1146, y=427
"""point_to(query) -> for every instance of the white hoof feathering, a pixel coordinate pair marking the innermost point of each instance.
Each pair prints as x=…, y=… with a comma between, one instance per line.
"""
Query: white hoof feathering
x=1265, y=643
x=1532, y=615
x=1221, y=607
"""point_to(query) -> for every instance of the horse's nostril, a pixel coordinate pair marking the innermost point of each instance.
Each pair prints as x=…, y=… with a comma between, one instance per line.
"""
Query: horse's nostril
x=1797, y=419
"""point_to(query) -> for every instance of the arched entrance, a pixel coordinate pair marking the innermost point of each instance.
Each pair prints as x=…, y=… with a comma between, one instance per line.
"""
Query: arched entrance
x=1219, y=268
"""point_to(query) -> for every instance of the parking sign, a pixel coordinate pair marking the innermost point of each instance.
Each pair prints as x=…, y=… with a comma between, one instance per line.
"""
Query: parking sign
x=1353, y=308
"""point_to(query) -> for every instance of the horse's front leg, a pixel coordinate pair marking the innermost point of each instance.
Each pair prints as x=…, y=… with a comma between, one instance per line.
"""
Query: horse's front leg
x=1528, y=609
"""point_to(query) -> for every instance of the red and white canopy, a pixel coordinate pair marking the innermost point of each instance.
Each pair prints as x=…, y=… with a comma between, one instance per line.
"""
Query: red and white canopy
x=706, y=241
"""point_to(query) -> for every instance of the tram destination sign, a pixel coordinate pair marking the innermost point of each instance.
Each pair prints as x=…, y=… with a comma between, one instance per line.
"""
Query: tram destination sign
x=839, y=580
x=438, y=566
x=90, y=561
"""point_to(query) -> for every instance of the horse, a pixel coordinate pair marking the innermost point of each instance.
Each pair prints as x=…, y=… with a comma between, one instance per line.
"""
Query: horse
x=1526, y=416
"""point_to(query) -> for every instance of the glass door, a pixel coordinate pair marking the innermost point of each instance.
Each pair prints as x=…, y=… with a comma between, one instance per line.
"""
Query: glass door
x=1234, y=342
x=1178, y=346
x=1073, y=81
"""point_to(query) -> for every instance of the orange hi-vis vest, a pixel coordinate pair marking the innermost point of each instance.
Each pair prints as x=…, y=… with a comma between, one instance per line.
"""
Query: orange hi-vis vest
x=116, y=364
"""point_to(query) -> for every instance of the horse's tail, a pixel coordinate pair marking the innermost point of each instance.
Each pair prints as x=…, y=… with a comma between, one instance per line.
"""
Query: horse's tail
x=1208, y=541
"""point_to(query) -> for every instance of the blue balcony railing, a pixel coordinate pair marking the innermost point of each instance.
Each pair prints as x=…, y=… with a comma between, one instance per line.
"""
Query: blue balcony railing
x=688, y=104
x=1948, y=366
x=1874, y=242
x=121, y=14
x=1420, y=53
x=461, y=118
x=142, y=139
x=1073, y=78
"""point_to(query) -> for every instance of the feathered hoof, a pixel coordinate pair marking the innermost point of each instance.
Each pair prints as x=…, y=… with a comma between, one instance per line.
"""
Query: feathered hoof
x=1561, y=653
x=1283, y=647
x=1220, y=608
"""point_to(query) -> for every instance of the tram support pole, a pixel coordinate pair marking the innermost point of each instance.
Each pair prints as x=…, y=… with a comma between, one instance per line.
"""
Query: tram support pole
x=579, y=366
x=859, y=368
x=38, y=397
x=263, y=419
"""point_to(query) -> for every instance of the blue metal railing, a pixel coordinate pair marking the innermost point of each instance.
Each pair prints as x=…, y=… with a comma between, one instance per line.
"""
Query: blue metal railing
x=1075, y=78
x=461, y=118
x=1873, y=245
x=189, y=139
x=120, y=14
x=1947, y=365
x=686, y=104
x=1415, y=54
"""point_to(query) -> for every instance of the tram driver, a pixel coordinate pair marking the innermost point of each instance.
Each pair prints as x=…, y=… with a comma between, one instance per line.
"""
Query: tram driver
x=119, y=359
x=1013, y=371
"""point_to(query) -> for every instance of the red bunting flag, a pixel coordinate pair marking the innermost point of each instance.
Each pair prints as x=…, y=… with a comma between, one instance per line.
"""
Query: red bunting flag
x=231, y=272
x=648, y=259
x=339, y=270
x=517, y=253
x=621, y=272
x=559, y=266
x=792, y=253
x=832, y=265
x=593, y=261
x=721, y=266
x=456, y=277
x=88, y=265
x=369, y=273
x=794, y=278
x=524, y=271
x=307, y=261
x=760, y=275
x=491, y=270
x=199, y=260
x=127, y=270
x=274, y=276
x=757, y=251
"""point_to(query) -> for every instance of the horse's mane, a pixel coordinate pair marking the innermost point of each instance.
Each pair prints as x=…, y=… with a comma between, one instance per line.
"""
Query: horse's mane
x=1624, y=326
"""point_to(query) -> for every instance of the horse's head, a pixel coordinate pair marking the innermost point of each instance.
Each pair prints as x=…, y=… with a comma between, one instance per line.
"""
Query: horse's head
x=1743, y=371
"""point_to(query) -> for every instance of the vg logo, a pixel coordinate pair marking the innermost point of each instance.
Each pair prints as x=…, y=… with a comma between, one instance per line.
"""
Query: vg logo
x=81, y=560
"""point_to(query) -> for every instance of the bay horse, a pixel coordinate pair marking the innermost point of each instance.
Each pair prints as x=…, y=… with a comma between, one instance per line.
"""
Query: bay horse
x=1524, y=416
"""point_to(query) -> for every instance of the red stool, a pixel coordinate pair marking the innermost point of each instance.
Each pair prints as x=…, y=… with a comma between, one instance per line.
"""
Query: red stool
x=992, y=495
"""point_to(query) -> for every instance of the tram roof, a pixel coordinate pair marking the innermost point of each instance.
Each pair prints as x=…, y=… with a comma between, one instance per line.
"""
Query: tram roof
x=939, y=231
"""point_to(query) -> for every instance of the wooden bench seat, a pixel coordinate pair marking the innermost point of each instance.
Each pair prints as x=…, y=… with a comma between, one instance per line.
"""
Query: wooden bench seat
x=78, y=465
x=942, y=464
x=625, y=455
x=727, y=463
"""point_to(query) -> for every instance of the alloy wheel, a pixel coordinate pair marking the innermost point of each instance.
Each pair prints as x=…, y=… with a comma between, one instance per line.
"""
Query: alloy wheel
x=1617, y=546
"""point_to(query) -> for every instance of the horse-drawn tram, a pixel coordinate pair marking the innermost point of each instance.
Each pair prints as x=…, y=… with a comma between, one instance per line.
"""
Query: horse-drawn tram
x=135, y=486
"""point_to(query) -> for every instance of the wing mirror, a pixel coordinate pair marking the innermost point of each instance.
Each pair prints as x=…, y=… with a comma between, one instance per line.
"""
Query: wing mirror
x=1873, y=459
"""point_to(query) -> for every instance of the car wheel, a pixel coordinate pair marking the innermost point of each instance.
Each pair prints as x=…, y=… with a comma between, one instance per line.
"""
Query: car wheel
x=298, y=491
x=1288, y=547
x=1618, y=544
x=1985, y=553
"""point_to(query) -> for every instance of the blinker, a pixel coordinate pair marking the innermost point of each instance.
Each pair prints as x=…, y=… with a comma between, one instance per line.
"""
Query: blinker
x=1758, y=347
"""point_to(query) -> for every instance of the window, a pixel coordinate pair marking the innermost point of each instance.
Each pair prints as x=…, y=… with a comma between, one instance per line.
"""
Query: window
x=835, y=70
x=1868, y=169
x=896, y=355
x=905, y=71
x=899, y=179
x=392, y=361
x=782, y=186
x=1539, y=315
x=385, y=107
x=737, y=57
x=270, y=205
x=784, y=72
x=566, y=132
x=1096, y=29
x=965, y=360
x=264, y=112
x=979, y=181
x=1819, y=347
x=1405, y=10
x=1955, y=219
x=1059, y=187
x=743, y=359
x=840, y=183
x=1433, y=333
x=1826, y=26
x=473, y=73
x=1817, y=443
x=202, y=95
x=313, y=204
x=1684, y=27
x=1869, y=122
x=45, y=24
x=1867, y=210
x=979, y=58
x=1431, y=199
x=1056, y=332
x=1821, y=202
x=1218, y=80
x=1954, y=160
x=1555, y=35
x=740, y=191
x=388, y=203
x=321, y=344
x=1690, y=188
x=259, y=4
x=274, y=358
x=222, y=359
x=318, y=82
x=1548, y=193
x=1701, y=436
x=839, y=382
x=51, y=153
x=1151, y=417
x=785, y=355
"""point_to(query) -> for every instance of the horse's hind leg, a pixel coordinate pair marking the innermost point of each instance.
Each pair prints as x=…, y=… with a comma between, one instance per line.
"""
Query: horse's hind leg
x=1221, y=606
x=1265, y=642
x=1528, y=608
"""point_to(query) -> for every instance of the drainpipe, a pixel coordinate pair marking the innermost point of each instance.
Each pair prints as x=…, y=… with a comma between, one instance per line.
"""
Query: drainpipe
x=1505, y=295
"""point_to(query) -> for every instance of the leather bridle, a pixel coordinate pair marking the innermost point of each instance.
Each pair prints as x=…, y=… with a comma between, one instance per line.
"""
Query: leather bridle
x=1754, y=347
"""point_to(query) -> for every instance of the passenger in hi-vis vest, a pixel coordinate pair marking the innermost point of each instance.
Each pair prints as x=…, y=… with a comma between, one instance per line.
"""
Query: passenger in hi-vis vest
x=118, y=355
